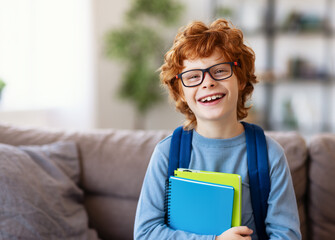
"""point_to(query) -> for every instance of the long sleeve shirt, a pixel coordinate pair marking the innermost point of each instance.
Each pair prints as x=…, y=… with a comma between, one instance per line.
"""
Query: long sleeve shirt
x=220, y=155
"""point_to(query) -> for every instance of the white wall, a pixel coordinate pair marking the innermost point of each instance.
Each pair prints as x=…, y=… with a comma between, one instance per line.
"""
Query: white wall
x=46, y=61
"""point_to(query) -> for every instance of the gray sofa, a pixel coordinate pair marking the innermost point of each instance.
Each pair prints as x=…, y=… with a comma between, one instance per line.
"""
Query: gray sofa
x=85, y=185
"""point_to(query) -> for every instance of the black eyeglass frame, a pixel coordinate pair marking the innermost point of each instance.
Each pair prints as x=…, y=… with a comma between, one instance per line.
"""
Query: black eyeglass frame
x=179, y=76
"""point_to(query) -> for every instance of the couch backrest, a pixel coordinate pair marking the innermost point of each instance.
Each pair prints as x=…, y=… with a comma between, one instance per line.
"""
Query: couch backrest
x=113, y=165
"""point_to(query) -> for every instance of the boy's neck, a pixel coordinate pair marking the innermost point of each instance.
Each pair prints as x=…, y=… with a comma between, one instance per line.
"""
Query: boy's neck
x=220, y=131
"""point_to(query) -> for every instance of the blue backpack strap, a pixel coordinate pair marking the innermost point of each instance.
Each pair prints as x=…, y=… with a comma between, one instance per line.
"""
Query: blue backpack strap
x=180, y=150
x=259, y=179
x=174, y=151
x=185, y=149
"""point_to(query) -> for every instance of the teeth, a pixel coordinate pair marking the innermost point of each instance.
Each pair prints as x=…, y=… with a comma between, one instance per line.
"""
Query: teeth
x=211, y=98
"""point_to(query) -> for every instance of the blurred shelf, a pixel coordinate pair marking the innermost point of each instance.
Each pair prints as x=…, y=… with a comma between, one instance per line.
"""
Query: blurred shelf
x=290, y=34
x=300, y=43
x=290, y=86
x=299, y=83
x=311, y=81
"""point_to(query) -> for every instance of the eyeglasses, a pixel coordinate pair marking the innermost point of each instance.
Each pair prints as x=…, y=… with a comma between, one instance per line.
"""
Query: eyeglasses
x=218, y=72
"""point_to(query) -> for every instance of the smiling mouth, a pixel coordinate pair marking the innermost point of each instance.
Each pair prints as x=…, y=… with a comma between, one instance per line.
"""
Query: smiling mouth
x=211, y=98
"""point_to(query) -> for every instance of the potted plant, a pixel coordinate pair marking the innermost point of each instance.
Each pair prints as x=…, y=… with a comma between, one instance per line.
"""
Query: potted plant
x=138, y=44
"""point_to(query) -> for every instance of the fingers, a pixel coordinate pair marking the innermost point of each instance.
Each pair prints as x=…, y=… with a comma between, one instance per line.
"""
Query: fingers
x=243, y=231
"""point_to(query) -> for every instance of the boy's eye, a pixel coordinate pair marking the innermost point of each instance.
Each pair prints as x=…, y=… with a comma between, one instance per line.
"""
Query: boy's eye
x=192, y=76
x=220, y=72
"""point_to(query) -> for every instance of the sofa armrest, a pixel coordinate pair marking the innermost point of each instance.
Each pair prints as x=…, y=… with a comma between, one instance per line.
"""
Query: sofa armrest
x=321, y=192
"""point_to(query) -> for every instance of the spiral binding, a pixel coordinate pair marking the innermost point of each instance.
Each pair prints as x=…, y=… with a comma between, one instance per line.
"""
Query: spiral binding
x=167, y=201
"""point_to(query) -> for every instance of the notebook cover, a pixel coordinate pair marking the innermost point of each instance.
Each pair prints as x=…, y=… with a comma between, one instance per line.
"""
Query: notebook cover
x=230, y=179
x=199, y=207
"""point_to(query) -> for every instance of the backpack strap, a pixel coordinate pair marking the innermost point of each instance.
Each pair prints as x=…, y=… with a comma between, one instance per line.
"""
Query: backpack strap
x=259, y=178
x=180, y=150
x=179, y=157
x=258, y=169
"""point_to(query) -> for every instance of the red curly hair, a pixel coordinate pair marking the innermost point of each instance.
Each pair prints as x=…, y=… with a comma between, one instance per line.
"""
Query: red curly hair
x=200, y=41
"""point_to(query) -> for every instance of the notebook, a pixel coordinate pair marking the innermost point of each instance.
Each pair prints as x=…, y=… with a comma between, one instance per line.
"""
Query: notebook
x=233, y=180
x=199, y=207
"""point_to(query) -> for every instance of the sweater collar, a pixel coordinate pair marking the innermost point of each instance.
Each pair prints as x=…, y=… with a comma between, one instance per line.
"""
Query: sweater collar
x=218, y=143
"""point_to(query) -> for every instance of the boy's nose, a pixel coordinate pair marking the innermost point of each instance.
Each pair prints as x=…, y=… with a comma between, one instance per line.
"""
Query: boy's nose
x=208, y=81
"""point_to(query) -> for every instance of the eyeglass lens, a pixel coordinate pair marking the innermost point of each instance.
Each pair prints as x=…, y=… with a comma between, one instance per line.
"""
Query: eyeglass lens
x=217, y=72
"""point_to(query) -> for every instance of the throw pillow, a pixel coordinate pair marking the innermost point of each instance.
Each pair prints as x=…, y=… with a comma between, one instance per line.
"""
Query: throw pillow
x=39, y=195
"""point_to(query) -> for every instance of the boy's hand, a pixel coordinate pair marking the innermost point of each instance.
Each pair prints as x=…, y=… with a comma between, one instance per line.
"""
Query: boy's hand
x=236, y=233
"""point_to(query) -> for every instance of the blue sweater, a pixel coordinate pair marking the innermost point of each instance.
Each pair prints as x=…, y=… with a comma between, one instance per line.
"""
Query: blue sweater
x=220, y=155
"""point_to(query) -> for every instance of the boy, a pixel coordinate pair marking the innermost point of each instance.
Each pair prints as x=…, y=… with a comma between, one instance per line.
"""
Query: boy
x=210, y=75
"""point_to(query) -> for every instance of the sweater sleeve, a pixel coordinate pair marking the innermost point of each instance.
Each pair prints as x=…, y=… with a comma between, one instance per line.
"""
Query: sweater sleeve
x=150, y=214
x=282, y=221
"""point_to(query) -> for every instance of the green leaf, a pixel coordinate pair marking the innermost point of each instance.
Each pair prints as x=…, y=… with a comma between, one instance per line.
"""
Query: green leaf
x=141, y=85
x=167, y=11
x=132, y=42
x=2, y=84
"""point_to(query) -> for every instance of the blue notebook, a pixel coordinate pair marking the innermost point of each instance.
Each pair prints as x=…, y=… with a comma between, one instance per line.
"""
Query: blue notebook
x=199, y=207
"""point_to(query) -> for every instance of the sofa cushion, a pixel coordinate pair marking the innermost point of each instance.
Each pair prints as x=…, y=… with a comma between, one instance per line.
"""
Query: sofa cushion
x=113, y=216
x=113, y=161
x=296, y=153
x=113, y=164
x=39, y=196
x=322, y=187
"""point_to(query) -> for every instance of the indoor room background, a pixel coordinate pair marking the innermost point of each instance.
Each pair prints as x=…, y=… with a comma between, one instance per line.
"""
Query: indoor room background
x=60, y=66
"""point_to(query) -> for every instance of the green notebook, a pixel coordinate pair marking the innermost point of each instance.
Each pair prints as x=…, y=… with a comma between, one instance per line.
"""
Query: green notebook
x=229, y=179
